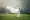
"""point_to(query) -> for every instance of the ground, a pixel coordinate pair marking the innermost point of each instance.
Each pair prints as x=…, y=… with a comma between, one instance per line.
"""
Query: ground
x=13, y=17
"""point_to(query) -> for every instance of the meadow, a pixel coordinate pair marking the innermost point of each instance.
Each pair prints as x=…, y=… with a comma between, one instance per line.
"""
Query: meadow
x=13, y=17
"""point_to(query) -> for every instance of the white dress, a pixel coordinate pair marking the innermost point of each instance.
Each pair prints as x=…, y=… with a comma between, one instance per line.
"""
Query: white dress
x=18, y=15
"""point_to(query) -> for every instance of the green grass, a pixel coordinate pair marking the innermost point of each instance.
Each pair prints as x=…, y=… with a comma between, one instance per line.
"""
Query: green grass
x=13, y=17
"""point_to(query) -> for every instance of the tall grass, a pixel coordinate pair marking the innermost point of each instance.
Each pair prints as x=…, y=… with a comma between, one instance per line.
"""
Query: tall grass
x=13, y=17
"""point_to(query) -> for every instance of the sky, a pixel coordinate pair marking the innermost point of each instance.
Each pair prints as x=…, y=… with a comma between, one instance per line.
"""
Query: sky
x=13, y=5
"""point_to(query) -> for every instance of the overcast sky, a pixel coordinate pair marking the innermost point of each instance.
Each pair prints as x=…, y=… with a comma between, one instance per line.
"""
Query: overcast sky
x=13, y=3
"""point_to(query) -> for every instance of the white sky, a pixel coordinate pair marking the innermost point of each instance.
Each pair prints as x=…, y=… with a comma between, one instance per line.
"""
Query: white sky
x=13, y=5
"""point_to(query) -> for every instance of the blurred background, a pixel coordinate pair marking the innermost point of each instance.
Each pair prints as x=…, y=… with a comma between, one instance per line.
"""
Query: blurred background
x=13, y=6
x=10, y=8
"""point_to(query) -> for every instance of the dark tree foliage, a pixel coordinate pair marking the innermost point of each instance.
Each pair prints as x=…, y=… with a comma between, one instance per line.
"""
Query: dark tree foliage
x=3, y=10
x=27, y=11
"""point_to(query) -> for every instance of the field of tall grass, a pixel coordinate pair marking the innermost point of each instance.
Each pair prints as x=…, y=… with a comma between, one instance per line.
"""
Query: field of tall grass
x=13, y=17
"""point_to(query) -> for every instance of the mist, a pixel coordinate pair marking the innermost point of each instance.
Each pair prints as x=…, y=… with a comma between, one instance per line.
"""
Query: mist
x=14, y=4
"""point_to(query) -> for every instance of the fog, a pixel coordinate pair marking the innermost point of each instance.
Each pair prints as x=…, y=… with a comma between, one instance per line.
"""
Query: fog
x=13, y=10
x=14, y=5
